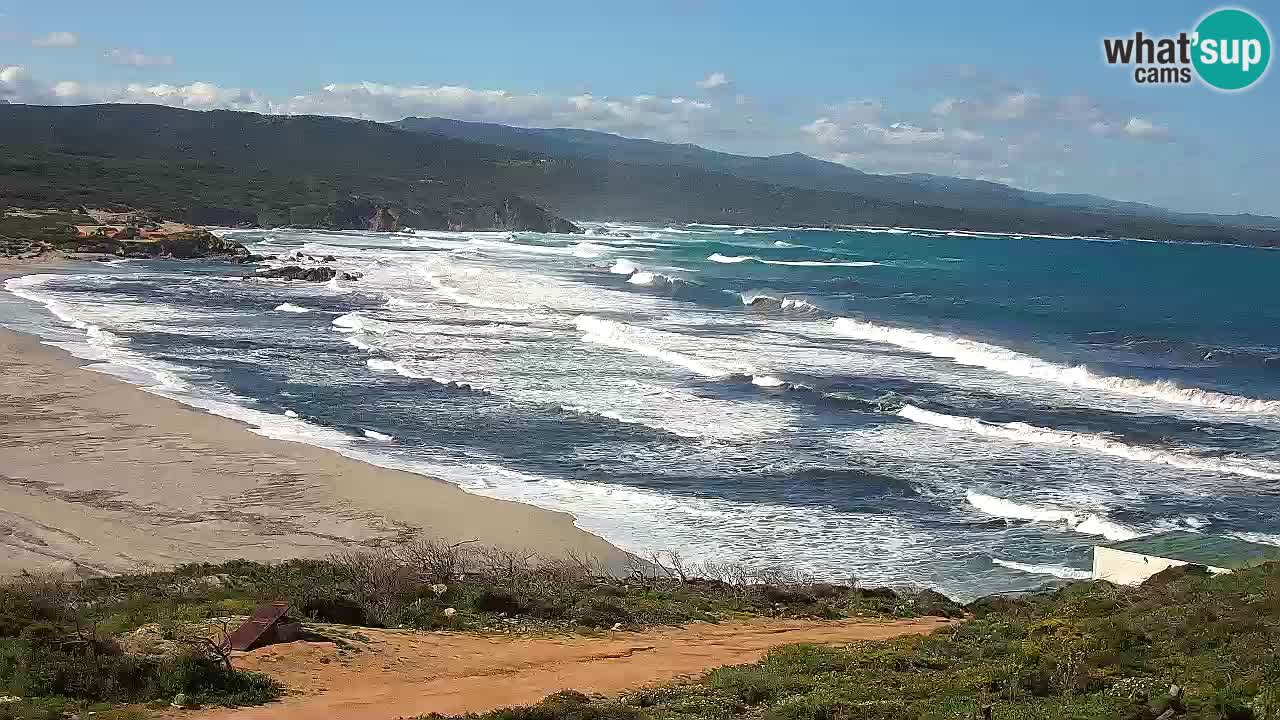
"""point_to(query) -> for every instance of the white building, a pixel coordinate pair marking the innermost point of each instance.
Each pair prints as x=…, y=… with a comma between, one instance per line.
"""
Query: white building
x=1132, y=561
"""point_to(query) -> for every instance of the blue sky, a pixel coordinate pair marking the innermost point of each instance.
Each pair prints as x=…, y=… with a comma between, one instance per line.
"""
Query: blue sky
x=1014, y=92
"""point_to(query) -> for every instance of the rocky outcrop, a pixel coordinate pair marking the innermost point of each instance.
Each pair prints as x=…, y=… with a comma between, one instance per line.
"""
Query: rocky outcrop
x=305, y=274
x=384, y=221
x=509, y=213
x=504, y=213
x=185, y=246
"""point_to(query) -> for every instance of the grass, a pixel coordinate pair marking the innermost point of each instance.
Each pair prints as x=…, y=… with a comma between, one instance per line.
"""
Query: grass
x=1088, y=650
x=62, y=644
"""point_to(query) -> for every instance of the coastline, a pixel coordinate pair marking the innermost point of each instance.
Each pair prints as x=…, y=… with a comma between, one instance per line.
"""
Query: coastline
x=99, y=477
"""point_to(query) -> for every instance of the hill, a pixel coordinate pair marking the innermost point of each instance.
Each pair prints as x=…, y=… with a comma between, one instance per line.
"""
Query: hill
x=802, y=171
x=224, y=167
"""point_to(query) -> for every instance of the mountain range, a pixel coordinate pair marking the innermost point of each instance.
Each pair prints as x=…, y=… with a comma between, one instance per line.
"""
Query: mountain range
x=228, y=167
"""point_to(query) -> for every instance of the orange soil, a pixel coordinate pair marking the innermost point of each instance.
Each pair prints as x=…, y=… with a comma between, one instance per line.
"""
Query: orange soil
x=405, y=673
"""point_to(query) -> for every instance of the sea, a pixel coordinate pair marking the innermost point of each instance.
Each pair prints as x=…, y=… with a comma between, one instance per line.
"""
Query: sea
x=971, y=412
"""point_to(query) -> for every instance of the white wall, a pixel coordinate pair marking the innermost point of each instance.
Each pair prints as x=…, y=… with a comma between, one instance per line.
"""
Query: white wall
x=1127, y=568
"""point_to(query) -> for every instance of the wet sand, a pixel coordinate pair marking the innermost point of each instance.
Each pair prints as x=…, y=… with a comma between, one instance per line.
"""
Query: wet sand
x=100, y=477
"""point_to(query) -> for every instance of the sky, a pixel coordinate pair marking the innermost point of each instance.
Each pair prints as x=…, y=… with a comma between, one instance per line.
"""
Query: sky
x=1012, y=92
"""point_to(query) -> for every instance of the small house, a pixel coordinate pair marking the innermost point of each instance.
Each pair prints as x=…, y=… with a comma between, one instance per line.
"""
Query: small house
x=1130, y=562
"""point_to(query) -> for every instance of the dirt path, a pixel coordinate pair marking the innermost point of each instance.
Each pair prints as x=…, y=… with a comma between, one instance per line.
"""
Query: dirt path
x=405, y=674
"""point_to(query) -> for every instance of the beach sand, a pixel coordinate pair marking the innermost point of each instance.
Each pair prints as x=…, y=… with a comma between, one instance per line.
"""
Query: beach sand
x=100, y=477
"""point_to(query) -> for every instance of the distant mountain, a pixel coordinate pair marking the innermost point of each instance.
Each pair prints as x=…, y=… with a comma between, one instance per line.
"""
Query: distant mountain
x=802, y=171
x=224, y=167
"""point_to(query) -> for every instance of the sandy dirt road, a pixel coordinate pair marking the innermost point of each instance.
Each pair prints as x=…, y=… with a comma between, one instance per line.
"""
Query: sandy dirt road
x=404, y=674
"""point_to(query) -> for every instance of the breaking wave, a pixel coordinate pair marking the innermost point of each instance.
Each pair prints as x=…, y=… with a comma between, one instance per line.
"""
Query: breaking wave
x=1011, y=362
x=380, y=437
x=717, y=257
x=465, y=299
x=1024, y=433
x=291, y=308
x=622, y=266
x=760, y=298
x=1090, y=524
x=1061, y=571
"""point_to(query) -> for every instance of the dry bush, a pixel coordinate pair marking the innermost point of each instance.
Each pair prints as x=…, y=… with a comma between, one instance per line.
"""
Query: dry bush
x=436, y=560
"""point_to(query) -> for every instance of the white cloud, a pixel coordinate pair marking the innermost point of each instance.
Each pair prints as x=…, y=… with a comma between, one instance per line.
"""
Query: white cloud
x=60, y=39
x=1145, y=129
x=714, y=81
x=136, y=58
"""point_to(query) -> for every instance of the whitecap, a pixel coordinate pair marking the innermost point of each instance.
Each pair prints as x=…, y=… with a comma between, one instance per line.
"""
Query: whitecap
x=1061, y=571
x=1091, y=524
x=1024, y=433
x=1010, y=362
x=291, y=308
x=379, y=437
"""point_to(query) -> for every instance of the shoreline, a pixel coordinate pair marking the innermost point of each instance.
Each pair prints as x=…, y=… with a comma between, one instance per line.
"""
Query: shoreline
x=99, y=477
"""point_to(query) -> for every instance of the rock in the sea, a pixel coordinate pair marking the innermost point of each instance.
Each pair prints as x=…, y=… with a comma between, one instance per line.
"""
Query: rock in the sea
x=384, y=221
x=294, y=272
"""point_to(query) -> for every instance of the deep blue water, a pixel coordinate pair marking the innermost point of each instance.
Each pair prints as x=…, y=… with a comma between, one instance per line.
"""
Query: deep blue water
x=972, y=413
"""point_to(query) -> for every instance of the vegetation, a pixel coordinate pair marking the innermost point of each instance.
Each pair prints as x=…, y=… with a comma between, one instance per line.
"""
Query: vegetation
x=1185, y=644
x=228, y=168
x=56, y=655
x=67, y=644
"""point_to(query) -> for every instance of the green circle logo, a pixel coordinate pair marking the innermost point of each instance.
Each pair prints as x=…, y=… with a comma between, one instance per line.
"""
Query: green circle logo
x=1232, y=49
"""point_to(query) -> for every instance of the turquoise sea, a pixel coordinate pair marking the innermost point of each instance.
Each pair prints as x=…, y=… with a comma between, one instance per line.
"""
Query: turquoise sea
x=971, y=412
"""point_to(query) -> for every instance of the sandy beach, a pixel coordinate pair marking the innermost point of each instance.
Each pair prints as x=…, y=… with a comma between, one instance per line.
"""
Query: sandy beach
x=100, y=477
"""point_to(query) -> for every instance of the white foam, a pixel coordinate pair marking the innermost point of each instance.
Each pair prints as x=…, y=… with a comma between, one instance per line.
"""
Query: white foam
x=623, y=266
x=1258, y=537
x=717, y=257
x=588, y=250
x=1024, y=433
x=291, y=308
x=360, y=344
x=641, y=278
x=356, y=322
x=1091, y=524
x=1061, y=571
x=380, y=437
x=290, y=414
x=464, y=298
x=821, y=263
x=1010, y=362
x=624, y=337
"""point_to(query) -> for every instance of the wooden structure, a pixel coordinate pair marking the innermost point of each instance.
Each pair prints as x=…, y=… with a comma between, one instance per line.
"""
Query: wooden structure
x=269, y=624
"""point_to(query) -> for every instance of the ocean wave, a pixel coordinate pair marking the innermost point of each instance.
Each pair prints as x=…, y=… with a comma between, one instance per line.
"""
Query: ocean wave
x=1024, y=433
x=821, y=263
x=1011, y=362
x=356, y=322
x=399, y=368
x=465, y=299
x=783, y=244
x=751, y=231
x=624, y=337
x=1061, y=571
x=1257, y=537
x=588, y=250
x=623, y=266
x=642, y=277
x=733, y=259
x=379, y=437
x=1091, y=524
x=100, y=345
x=291, y=308
x=761, y=298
